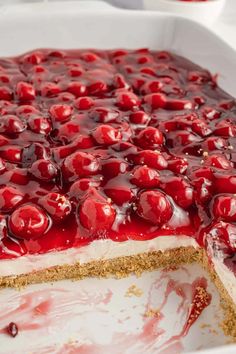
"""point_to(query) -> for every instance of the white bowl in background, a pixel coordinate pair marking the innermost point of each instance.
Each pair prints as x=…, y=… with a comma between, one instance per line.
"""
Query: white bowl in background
x=205, y=12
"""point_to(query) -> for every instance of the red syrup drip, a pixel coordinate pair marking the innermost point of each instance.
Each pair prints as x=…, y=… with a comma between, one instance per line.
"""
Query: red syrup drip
x=76, y=128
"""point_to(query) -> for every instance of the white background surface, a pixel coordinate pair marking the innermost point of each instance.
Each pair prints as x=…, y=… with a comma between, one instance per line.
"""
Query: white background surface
x=224, y=27
x=55, y=334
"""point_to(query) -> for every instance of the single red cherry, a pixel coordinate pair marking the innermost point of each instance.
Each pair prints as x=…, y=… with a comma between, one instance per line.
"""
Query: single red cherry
x=215, y=143
x=150, y=138
x=44, y=170
x=180, y=190
x=119, y=82
x=127, y=100
x=25, y=91
x=10, y=197
x=225, y=183
x=112, y=167
x=154, y=207
x=104, y=115
x=145, y=177
x=96, y=214
x=139, y=117
x=225, y=128
x=119, y=194
x=11, y=124
x=5, y=93
x=178, y=164
x=79, y=164
x=218, y=161
x=40, y=125
x=57, y=205
x=150, y=86
x=150, y=158
x=203, y=189
x=28, y=222
x=178, y=104
x=11, y=153
x=34, y=58
x=98, y=88
x=61, y=112
x=84, y=103
x=224, y=207
x=89, y=57
x=201, y=128
x=156, y=100
x=106, y=135
x=77, y=88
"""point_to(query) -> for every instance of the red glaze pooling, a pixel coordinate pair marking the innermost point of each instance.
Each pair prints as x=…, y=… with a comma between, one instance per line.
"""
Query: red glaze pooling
x=100, y=144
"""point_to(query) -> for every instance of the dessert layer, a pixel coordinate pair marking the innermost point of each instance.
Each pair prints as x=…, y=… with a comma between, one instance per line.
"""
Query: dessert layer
x=100, y=250
x=117, y=144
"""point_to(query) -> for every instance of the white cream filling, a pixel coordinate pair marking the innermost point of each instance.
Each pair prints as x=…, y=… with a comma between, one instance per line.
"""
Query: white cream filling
x=96, y=250
x=226, y=276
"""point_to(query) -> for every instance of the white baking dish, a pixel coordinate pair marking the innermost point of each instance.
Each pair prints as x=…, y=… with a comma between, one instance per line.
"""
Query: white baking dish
x=72, y=24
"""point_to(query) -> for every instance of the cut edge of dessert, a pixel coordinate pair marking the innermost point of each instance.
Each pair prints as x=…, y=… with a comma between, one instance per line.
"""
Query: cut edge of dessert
x=115, y=162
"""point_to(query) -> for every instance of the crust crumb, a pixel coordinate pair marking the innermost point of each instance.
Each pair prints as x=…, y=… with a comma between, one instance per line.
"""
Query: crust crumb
x=152, y=313
x=133, y=290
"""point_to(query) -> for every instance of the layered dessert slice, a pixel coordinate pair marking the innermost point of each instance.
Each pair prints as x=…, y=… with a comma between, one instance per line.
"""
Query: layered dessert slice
x=113, y=162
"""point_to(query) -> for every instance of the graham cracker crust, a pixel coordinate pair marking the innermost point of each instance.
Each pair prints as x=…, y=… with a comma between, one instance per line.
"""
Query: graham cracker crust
x=123, y=266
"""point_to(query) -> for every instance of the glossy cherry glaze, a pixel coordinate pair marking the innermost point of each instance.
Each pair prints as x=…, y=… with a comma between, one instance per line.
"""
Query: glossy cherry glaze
x=113, y=144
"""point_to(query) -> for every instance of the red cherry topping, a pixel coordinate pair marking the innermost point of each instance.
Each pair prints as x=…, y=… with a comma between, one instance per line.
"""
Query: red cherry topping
x=84, y=103
x=10, y=124
x=104, y=115
x=139, y=117
x=9, y=198
x=180, y=190
x=25, y=91
x=106, y=135
x=57, y=205
x=145, y=177
x=34, y=58
x=127, y=100
x=154, y=207
x=88, y=135
x=78, y=165
x=28, y=222
x=40, y=125
x=43, y=169
x=119, y=194
x=178, y=105
x=113, y=167
x=150, y=138
x=61, y=112
x=224, y=208
x=156, y=100
x=178, y=164
x=218, y=161
x=96, y=214
x=78, y=89
x=151, y=158
x=5, y=93
x=203, y=190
